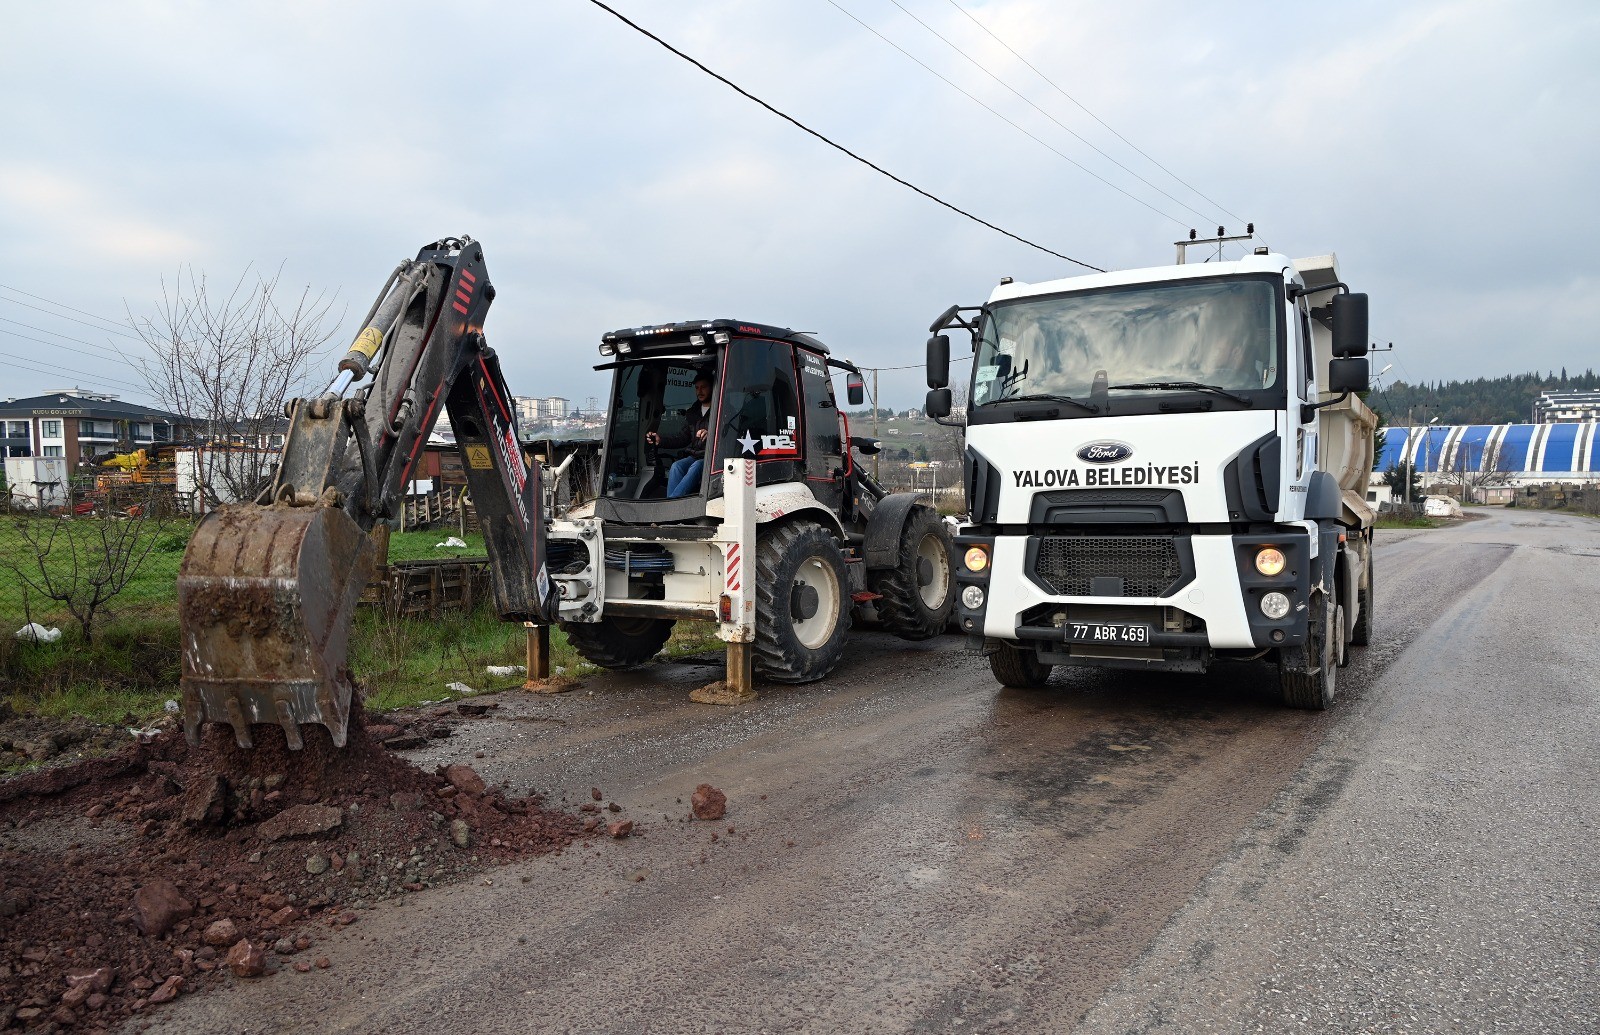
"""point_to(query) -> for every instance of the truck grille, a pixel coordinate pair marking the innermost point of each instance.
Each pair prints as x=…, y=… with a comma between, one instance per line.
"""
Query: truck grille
x=1148, y=565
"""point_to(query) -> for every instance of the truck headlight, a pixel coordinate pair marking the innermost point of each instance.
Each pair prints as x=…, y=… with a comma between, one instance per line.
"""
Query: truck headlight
x=972, y=598
x=977, y=558
x=1269, y=561
x=1274, y=605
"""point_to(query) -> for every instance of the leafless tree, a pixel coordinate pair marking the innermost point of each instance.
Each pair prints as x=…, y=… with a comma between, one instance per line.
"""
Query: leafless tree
x=82, y=562
x=228, y=361
x=1469, y=469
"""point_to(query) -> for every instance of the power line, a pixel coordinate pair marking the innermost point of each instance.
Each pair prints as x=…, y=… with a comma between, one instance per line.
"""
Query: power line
x=1086, y=111
x=55, y=370
x=61, y=316
x=1029, y=101
x=1058, y=153
x=62, y=305
x=63, y=348
x=836, y=146
x=65, y=337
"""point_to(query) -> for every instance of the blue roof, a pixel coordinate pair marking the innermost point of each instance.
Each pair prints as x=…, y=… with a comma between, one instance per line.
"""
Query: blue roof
x=1563, y=448
x=1559, y=447
x=1514, y=447
x=1394, y=444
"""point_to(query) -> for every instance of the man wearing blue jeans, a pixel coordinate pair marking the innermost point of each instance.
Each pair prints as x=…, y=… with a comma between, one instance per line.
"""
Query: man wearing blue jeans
x=684, y=475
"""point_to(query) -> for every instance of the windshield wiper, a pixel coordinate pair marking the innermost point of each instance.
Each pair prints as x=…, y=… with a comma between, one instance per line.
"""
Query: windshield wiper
x=1183, y=386
x=1086, y=407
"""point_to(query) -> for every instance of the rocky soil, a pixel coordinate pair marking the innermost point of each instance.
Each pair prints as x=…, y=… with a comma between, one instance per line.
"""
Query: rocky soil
x=129, y=879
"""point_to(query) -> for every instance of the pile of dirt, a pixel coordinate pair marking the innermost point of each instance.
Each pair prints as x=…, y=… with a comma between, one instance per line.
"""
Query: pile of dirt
x=128, y=880
x=28, y=738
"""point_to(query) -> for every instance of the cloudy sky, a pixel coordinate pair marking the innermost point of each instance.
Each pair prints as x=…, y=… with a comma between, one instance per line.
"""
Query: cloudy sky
x=1449, y=153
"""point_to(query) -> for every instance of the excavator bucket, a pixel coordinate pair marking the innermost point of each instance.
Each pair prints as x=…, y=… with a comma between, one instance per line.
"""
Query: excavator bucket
x=265, y=597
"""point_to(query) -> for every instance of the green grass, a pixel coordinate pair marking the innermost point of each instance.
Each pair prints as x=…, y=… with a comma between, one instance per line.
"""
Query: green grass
x=133, y=667
x=151, y=590
x=420, y=546
x=1408, y=521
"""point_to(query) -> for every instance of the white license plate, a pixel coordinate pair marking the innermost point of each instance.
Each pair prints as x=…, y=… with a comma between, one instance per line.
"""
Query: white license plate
x=1107, y=632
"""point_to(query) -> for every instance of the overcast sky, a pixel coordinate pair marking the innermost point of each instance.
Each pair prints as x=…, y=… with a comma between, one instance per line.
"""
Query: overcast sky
x=1446, y=152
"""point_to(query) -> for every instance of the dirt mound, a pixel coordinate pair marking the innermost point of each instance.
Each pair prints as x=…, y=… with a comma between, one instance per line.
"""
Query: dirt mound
x=128, y=880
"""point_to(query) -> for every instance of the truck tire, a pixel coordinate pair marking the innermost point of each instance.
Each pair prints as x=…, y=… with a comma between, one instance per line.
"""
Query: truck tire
x=1314, y=689
x=802, y=603
x=618, y=642
x=918, y=593
x=1361, y=635
x=1019, y=668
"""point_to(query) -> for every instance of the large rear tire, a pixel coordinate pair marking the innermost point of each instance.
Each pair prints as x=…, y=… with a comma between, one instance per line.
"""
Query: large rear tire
x=618, y=642
x=802, y=603
x=1361, y=635
x=919, y=591
x=1018, y=667
x=1308, y=677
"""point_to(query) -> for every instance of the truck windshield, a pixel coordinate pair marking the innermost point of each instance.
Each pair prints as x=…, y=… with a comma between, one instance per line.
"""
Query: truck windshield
x=1219, y=333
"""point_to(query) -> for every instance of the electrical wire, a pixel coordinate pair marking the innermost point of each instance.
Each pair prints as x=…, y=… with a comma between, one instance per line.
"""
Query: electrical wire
x=55, y=370
x=61, y=316
x=974, y=62
x=836, y=146
x=1089, y=113
x=63, y=305
x=1053, y=150
x=66, y=348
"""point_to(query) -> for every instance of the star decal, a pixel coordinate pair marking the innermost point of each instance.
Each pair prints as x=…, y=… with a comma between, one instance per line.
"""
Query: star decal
x=747, y=444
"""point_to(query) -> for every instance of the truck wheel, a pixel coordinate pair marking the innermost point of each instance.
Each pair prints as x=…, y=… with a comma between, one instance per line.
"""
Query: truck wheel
x=802, y=604
x=1019, y=668
x=918, y=592
x=618, y=642
x=1313, y=689
x=1361, y=635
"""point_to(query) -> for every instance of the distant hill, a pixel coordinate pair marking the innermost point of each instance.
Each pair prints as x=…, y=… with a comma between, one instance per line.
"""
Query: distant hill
x=1487, y=400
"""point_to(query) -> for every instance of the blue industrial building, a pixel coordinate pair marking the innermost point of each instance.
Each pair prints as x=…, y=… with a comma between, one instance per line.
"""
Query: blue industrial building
x=1525, y=454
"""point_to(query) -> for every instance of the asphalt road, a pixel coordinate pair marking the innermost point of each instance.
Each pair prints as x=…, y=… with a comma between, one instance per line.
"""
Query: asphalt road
x=916, y=850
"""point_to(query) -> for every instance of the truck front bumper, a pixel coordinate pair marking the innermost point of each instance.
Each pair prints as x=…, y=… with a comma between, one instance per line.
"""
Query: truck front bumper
x=1214, y=603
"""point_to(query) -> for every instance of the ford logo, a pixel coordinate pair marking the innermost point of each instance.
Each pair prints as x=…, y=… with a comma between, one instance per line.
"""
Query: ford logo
x=1105, y=452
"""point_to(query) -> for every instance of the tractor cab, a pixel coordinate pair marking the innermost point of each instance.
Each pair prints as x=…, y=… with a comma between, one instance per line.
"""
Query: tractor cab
x=687, y=396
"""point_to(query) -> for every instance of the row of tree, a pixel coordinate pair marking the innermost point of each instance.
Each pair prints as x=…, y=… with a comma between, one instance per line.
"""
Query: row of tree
x=1485, y=400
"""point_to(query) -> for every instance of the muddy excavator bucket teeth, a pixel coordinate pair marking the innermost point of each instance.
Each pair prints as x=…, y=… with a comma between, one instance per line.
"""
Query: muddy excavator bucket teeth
x=265, y=600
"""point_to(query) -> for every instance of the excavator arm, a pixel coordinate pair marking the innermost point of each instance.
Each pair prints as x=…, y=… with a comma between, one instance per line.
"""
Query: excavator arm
x=268, y=589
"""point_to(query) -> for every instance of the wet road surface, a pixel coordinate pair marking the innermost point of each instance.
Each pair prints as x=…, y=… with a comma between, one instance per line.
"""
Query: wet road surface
x=917, y=850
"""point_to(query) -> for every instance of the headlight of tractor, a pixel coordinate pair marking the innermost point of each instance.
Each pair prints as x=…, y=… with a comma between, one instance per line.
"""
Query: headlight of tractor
x=1269, y=561
x=972, y=598
x=976, y=559
x=1274, y=605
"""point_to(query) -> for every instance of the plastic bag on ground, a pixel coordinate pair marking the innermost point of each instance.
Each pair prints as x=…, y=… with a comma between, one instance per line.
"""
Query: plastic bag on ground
x=505, y=671
x=38, y=633
x=450, y=541
x=459, y=688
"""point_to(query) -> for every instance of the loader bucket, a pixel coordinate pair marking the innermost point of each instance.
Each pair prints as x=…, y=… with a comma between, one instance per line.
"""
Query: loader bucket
x=265, y=600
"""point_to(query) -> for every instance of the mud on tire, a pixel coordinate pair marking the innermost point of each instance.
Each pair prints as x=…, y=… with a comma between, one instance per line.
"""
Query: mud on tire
x=802, y=603
x=1313, y=689
x=618, y=642
x=1018, y=667
x=919, y=591
x=1361, y=635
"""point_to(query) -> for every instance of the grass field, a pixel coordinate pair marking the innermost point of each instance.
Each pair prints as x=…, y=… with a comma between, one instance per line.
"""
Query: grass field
x=132, y=668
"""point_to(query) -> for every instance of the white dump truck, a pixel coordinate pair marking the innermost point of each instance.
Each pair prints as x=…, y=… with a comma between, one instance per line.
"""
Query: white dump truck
x=1166, y=468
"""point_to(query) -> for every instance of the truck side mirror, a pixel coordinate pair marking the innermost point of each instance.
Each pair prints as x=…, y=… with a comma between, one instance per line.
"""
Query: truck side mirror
x=1349, y=325
x=854, y=392
x=938, y=403
x=1348, y=375
x=939, y=361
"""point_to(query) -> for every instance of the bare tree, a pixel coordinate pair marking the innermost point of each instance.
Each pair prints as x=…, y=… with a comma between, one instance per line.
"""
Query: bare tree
x=83, y=562
x=228, y=361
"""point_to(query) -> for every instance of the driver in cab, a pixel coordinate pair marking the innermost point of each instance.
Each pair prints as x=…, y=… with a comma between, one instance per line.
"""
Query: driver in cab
x=684, y=475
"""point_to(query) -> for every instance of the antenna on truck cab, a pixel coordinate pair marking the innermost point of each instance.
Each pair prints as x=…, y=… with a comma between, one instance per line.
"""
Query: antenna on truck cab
x=1221, y=239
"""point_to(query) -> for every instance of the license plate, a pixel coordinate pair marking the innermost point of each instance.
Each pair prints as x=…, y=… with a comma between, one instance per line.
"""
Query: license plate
x=1107, y=632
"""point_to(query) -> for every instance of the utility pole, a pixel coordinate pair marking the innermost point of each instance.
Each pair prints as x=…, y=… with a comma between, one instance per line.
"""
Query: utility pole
x=879, y=454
